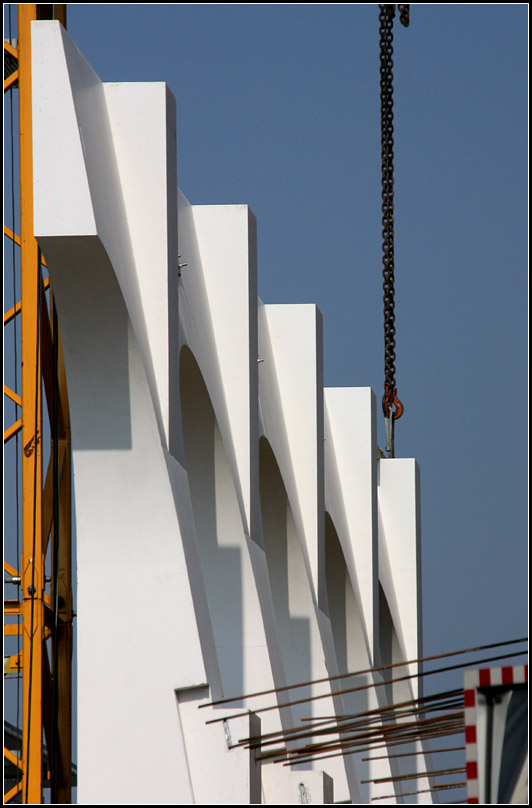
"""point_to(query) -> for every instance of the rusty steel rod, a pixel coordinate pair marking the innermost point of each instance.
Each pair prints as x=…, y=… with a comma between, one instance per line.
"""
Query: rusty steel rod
x=345, y=725
x=417, y=775
x=352, y=742
x=446, y=694
x=454, y=702
x=255, y=743
x=296, y=735
x=282, y=753
x=367, y=686
x=414, y=754
x=361, y=672
x=388, y=730
x=261, y=743
x=344, y=752
x=423, y=791
x=354, y=748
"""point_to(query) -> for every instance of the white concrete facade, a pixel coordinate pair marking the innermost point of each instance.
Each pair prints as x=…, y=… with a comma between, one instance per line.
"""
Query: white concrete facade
x=236, y=530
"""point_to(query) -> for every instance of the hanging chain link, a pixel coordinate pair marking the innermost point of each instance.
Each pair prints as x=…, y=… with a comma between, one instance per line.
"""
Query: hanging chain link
x=392, y=407
x=404, y=14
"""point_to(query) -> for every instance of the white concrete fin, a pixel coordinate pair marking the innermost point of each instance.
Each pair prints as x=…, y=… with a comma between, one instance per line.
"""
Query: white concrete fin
x=131, y=565
x=201, y=429
x=285, y=787
x=195, y=325
x=142, y=119
x=62, y=197
x=181, y=493
x=291, y=401
x=344, y=769
x=229, y=570
x=197, y=334
x=351, y=493
x=230, y=385
x=75, y=115
x=220, y=771
x=259, y=564
x=400, y=554
x=302, y=628
x=227, y=241
x=128, y=774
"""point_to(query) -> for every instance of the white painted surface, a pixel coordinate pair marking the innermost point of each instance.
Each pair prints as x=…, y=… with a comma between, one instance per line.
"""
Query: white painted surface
x=400, y=554
x=190, y=554
x=134, y=595
x=291, y=401
x=234, y=605
x=303, y=630
x=285, y=787
x=221, y=771
x=362, y=692
x=351, y=493
x=147, y=172
x=60, y=206
x=226, y=237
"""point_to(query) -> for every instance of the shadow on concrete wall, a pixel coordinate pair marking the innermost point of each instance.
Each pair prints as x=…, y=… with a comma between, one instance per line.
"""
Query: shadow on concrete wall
x=348, y=634
x=98, y=343
x=219, y=529
x=288, y=578
x=396, y=693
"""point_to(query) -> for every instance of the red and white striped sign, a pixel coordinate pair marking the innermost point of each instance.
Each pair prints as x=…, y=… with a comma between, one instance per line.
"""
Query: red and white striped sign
x=473, y=680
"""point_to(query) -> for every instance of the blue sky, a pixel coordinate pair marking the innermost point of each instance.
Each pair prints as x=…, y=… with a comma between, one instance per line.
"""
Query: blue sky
x=278, y=107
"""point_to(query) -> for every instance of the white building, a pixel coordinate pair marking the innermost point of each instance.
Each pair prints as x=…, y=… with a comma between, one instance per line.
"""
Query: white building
x=236, y=529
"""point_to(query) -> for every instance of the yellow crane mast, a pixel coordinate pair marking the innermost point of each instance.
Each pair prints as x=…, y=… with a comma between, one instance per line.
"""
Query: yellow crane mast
x=40, y=614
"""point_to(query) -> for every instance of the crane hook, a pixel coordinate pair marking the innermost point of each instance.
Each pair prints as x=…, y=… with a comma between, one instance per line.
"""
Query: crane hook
x=390, y=398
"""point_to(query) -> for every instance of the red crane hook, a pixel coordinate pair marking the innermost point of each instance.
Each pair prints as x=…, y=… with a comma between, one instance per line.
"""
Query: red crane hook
x=389, y=399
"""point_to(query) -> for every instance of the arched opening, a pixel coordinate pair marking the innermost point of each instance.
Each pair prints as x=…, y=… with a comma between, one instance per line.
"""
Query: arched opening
x=293, y=604
x=217, y=520
x=350, y=644
x=391, y=653
x=348, y=635
x=397, y=692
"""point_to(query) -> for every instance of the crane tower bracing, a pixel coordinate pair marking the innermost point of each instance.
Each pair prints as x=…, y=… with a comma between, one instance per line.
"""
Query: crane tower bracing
x=41, y=573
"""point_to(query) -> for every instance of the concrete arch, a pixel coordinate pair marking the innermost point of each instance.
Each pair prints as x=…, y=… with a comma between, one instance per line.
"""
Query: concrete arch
x=168, y=401
x=349, y=639
x=351, y=654
x=288, y=578
x=398, y=692
x=346, y=620
x=391, y=653
x=297, y=616
x=228, y=575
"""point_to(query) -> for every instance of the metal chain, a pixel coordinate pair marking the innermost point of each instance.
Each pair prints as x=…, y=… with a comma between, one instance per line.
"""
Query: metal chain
x=404, y=14
x=392, y=407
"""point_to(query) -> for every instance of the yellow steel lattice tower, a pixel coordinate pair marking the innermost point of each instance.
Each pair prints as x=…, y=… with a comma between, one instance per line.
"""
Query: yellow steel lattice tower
x=42, y=574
